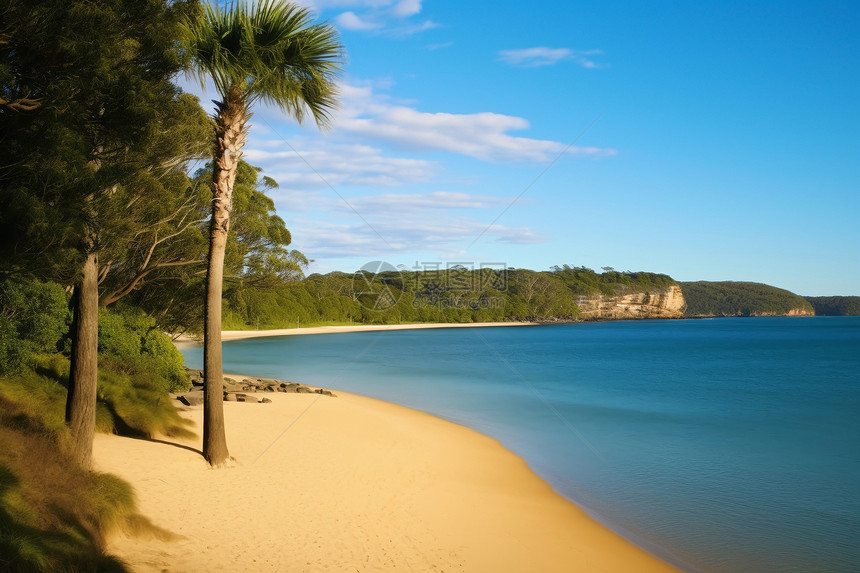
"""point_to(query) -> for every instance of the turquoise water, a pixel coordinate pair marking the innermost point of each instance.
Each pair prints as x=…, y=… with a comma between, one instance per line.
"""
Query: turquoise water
x=720, y=445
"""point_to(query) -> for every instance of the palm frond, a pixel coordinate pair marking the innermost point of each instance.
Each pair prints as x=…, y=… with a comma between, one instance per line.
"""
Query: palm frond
x=271, y=51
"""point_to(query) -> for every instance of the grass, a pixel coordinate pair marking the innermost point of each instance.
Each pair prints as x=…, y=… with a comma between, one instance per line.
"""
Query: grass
x=54, y=516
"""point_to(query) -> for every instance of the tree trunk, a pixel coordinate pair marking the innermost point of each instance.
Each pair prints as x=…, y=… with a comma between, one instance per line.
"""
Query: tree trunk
x=83, y=373
x=229, y=139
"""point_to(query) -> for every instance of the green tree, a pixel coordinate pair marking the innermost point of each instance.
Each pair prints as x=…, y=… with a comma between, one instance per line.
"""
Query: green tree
x=94, y=148
x=269, y=52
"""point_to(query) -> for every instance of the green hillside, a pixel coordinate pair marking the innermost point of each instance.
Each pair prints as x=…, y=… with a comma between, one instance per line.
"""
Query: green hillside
x=835, y=305
x=730, y=298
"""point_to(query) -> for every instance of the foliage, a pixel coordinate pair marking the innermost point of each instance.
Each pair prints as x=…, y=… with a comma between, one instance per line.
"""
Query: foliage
x=269, y=52
x=105, y=144
x=130, y=337
x=456, y=294
x=257, y=258
x=54, y=516
x=835, y=305
x=583, y=280
x=138, y=367
x=256, y=252
x=139, y=364
x=739, y=299
x=133, y=404
x=34, y=318
x=109, y=134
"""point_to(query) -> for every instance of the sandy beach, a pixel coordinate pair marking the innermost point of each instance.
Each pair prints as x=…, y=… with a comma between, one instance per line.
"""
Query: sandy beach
x=240, y=334
x=348, y=483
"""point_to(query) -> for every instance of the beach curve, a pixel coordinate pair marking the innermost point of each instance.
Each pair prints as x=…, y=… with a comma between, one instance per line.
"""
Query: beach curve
x=352, y=484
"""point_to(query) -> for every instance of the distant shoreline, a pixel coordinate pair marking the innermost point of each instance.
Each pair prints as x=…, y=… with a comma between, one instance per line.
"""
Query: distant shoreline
x=185, y=340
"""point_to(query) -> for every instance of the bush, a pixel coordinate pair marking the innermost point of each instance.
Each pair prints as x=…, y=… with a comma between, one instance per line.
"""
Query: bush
x=34, y=318
x=130, y=338
x=134, y=402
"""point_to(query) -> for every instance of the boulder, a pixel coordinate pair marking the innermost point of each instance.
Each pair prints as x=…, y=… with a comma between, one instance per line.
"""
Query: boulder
x=191, y=398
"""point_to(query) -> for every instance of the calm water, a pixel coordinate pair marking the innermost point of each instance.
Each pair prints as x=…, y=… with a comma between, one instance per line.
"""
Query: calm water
x=720, y=445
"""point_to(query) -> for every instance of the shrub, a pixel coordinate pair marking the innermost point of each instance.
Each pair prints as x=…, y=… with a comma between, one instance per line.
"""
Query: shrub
x=34, y=318
x=131, y=337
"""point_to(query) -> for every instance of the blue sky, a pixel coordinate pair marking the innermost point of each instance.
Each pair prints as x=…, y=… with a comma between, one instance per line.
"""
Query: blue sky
x=704, y=140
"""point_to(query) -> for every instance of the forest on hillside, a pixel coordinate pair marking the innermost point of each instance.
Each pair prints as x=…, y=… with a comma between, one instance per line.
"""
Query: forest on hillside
x=729, y=298
x=455, y=294
x=835, y=305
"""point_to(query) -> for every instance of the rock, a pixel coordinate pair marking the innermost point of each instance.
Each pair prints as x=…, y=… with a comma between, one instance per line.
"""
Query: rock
x=230, y=397
x=265, y=401
x=196, y=377
x=191, y=398
x=665, y=303
x=232, y=386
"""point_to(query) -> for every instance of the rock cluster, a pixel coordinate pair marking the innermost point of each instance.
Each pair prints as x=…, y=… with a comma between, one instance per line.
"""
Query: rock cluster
x=245, y=390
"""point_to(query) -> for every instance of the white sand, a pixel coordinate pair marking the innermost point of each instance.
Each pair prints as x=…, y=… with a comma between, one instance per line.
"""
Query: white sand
x=353, y=484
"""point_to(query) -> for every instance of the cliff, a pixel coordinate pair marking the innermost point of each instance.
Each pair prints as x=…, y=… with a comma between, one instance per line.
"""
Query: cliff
x=663, y=303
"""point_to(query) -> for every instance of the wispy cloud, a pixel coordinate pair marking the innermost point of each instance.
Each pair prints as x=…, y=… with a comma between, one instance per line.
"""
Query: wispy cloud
x=543, y=56
x=335, y=164
x=403, y=234
x=481, y=135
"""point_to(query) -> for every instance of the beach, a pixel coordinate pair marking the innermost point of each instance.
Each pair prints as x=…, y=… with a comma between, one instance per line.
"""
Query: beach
x=349, y=483
x=241, y=334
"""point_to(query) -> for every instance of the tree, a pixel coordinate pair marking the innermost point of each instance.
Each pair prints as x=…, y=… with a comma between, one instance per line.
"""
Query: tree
x=271, y=52
x=256, y=255
x=99, y=138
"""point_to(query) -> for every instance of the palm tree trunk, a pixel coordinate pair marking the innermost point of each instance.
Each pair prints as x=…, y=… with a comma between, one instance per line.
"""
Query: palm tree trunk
x=83, y=373
x=230, y=137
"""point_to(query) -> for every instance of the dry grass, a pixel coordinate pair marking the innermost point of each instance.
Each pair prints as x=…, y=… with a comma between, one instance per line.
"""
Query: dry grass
x=54, y=516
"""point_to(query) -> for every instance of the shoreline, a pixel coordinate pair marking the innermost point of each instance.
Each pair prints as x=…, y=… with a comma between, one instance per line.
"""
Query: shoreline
x=353, y=483
x=226, y=335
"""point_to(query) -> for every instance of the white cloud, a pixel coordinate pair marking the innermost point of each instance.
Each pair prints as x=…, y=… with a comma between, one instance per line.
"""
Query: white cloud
x=392, y=17
x=543, y=56
x=351, y=21
x=401, y=203
x=383, y=236
x=319, y=163
x=406, y=8
x=481, y=135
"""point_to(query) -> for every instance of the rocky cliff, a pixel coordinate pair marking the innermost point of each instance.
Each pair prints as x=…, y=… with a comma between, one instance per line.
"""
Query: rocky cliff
x=664, y=303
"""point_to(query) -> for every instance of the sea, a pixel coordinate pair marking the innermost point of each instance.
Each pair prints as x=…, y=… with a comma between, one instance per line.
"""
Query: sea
x=725, y=444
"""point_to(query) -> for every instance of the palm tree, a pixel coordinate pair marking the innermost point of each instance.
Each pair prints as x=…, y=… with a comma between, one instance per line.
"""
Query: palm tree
x=270, y=52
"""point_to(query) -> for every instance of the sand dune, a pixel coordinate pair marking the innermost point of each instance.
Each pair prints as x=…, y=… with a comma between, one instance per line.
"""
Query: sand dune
x=353, y=484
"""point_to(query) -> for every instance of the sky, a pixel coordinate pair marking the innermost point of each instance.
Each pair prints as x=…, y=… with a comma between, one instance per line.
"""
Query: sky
x=703, y=140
